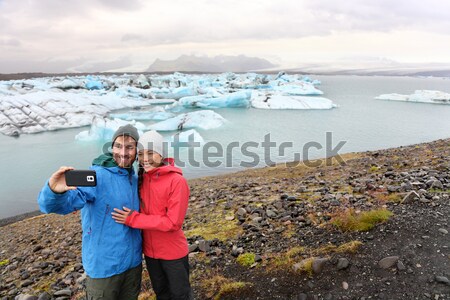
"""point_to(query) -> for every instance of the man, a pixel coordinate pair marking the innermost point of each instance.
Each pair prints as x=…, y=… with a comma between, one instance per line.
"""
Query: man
x=111, y=252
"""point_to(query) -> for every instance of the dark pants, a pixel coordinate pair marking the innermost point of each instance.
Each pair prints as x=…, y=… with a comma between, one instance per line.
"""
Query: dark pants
x=124, y=286
x=170, y=278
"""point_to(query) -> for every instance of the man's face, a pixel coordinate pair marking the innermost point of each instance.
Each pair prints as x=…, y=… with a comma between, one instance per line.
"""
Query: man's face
x=124, y=151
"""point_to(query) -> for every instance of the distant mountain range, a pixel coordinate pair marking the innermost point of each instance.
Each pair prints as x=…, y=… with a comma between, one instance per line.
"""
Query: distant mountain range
x=374, y=69
x=242, y=63
x=220, y=63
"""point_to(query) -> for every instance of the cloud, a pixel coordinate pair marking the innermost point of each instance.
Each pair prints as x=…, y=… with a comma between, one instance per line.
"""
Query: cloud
x=9, y=42
x=107, y=29
x=384, y=15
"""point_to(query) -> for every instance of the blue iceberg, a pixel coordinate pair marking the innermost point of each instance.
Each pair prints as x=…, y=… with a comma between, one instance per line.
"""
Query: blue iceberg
x=237, y=99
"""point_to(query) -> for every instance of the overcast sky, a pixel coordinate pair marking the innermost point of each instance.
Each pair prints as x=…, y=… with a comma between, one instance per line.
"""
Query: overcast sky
x=105, y=35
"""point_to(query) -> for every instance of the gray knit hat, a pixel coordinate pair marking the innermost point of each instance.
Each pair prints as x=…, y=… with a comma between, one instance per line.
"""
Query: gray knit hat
x=152, y=140
x=129, y=130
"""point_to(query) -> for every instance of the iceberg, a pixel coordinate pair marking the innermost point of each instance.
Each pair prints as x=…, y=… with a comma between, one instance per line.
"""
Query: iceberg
x=204, y=119
x=132, y=92
x=237, y=99
x=52, y=103
x=68, y=84
x=51, y=110
x=278, y=101
x=92, y=84
x=176, y=93
x=102, y=129
x=142, y=82
x=187, y=138
x=300, y=89
x=156, y=114
x=422, y=96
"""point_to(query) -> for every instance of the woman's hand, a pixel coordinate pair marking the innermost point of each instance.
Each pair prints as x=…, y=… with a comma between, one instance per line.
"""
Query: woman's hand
x=120, y=216
x=57, y=181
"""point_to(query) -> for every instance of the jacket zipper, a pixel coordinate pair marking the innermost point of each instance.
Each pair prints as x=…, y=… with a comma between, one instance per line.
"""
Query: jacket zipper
x=149, y=209
x=103, y=223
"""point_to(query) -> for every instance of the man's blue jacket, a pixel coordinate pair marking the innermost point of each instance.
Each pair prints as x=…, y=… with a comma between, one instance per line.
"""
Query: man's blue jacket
x=108, y=248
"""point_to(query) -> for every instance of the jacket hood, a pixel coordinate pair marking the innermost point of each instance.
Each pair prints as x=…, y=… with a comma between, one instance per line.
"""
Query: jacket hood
x=169, y=167
x=105, y=160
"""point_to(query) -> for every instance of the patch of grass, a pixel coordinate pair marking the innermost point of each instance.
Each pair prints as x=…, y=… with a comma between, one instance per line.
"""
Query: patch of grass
x=215, y=227
x=233, y=288
x=373, y=169
x=393, y=197
x=289, y=232
x=246, y=259
x=46, y=282
x=350, y=221
x=295, y=252
x=329, y=248
x=201, y=258
x=349, y=247
x=306, y=266
x=439, y=190
x=218, y=287
x=4, y=262
x=285, y=261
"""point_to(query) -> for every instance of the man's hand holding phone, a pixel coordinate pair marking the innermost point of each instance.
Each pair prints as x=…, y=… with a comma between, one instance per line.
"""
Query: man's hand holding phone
x=57, y=181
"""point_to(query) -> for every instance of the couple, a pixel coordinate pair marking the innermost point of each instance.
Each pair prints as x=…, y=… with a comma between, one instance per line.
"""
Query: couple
x=114, y=211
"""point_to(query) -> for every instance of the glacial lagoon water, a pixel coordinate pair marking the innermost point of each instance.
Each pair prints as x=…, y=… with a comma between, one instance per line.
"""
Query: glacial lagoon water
x=360, y=121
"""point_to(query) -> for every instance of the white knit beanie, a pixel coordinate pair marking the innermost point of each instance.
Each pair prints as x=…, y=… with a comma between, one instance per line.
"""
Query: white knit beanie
x=152, y=140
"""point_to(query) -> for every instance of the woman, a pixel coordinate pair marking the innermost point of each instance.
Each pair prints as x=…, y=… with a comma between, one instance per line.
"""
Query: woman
x=164, y=195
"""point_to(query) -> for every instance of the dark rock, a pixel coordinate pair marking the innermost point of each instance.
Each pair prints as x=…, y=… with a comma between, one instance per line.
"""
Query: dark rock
x=302, y=296
x=393, y=189
x=241, y=212
x=203, y=246
x=443, y=231
x=26, y=297
x=78, y=266
x=193, y=247
x=271, y=214
x=318, y=265
x=37, y=248
x=412, y=195
x=400, y=266
x=25, y=275
x=343, y=263
x=63, y=293
x=302, y=189
x=436, y=184
x=388, y=262
x=236, y=251
x=442, y=279
x=26, y=283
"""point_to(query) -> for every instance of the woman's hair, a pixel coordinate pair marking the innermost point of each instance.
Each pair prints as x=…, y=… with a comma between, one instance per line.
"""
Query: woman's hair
x=140, y=179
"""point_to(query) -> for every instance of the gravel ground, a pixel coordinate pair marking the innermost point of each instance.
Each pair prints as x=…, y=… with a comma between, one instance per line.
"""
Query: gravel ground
x=271, y=233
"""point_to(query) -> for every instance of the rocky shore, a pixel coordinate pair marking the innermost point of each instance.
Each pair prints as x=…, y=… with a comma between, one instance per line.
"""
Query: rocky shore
x=370, y=225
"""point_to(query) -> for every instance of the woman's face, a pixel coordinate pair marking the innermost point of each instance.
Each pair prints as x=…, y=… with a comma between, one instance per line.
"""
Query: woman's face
x=149, y=159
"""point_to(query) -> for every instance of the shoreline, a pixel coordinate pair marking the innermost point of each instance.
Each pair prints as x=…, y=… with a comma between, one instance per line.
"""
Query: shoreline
x=20, y=217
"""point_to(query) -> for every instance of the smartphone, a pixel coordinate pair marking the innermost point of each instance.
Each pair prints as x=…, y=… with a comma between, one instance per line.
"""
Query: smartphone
x=81, y=178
